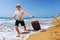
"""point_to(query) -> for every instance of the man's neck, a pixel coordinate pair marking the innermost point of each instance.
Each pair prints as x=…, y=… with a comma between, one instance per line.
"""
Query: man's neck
x=18, y=9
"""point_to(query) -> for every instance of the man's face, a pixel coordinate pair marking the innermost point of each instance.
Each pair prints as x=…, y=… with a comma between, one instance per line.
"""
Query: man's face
x=18, y=7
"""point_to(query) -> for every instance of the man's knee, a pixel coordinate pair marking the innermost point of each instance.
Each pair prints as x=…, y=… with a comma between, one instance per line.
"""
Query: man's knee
x=16, y=26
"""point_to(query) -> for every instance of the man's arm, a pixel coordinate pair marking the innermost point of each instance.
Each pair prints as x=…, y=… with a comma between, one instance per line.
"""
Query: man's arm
x=13, y=15
x=28, y=14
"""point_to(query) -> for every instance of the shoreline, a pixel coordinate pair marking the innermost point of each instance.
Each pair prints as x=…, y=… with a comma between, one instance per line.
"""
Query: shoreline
x=51, y=33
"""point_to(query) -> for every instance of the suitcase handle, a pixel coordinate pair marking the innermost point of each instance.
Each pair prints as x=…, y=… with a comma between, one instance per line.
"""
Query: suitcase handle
x=34, y=19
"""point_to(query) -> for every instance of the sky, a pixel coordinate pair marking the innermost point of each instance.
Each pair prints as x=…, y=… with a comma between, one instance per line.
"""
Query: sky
x=37, y=8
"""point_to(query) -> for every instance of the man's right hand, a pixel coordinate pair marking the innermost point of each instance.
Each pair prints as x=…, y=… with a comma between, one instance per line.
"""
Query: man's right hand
x=12, y=17
x=32, y=17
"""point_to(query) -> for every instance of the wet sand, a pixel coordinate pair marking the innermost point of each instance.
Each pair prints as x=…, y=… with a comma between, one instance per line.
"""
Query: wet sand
x=52, y=33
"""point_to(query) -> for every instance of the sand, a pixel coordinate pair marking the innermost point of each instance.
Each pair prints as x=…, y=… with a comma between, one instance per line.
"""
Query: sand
x=52, y=33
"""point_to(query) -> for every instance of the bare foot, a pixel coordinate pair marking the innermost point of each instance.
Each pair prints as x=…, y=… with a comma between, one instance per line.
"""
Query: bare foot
x=18, y=35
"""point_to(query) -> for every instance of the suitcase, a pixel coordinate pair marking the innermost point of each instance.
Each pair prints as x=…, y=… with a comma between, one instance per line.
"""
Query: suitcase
x=36, y=25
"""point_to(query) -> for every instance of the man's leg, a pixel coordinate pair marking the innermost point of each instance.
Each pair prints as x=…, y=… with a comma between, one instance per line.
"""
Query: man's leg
x=25, y=28
x=17, y=29
x=23, y=24
x=18, y=33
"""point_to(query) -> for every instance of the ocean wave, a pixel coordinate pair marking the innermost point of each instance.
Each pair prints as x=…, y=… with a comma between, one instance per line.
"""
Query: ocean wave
x=8, y=23
x=2, y=19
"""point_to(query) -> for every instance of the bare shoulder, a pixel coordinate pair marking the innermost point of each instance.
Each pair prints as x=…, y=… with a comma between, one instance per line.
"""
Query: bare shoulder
x=15, y=11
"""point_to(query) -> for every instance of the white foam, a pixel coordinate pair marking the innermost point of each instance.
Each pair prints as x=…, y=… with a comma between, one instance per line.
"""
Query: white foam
x=8, y=32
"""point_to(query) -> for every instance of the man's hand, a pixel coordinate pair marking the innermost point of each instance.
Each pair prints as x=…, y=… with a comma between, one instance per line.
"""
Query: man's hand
x=32, y=17
x=12, y=17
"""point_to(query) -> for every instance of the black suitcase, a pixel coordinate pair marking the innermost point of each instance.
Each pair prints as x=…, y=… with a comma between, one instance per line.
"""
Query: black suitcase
x=36, y=25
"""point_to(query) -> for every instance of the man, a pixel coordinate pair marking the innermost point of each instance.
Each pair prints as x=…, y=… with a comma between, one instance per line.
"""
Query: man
x=19, y=15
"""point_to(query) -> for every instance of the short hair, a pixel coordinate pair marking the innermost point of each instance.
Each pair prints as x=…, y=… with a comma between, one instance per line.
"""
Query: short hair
x=18, y=5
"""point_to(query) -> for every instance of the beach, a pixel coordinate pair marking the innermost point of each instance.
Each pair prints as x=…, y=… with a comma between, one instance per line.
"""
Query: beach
x=29, y=19
x=8, y=32
x=51, y=33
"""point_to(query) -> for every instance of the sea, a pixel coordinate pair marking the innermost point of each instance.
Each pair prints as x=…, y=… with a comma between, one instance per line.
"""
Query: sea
x=7, y=26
